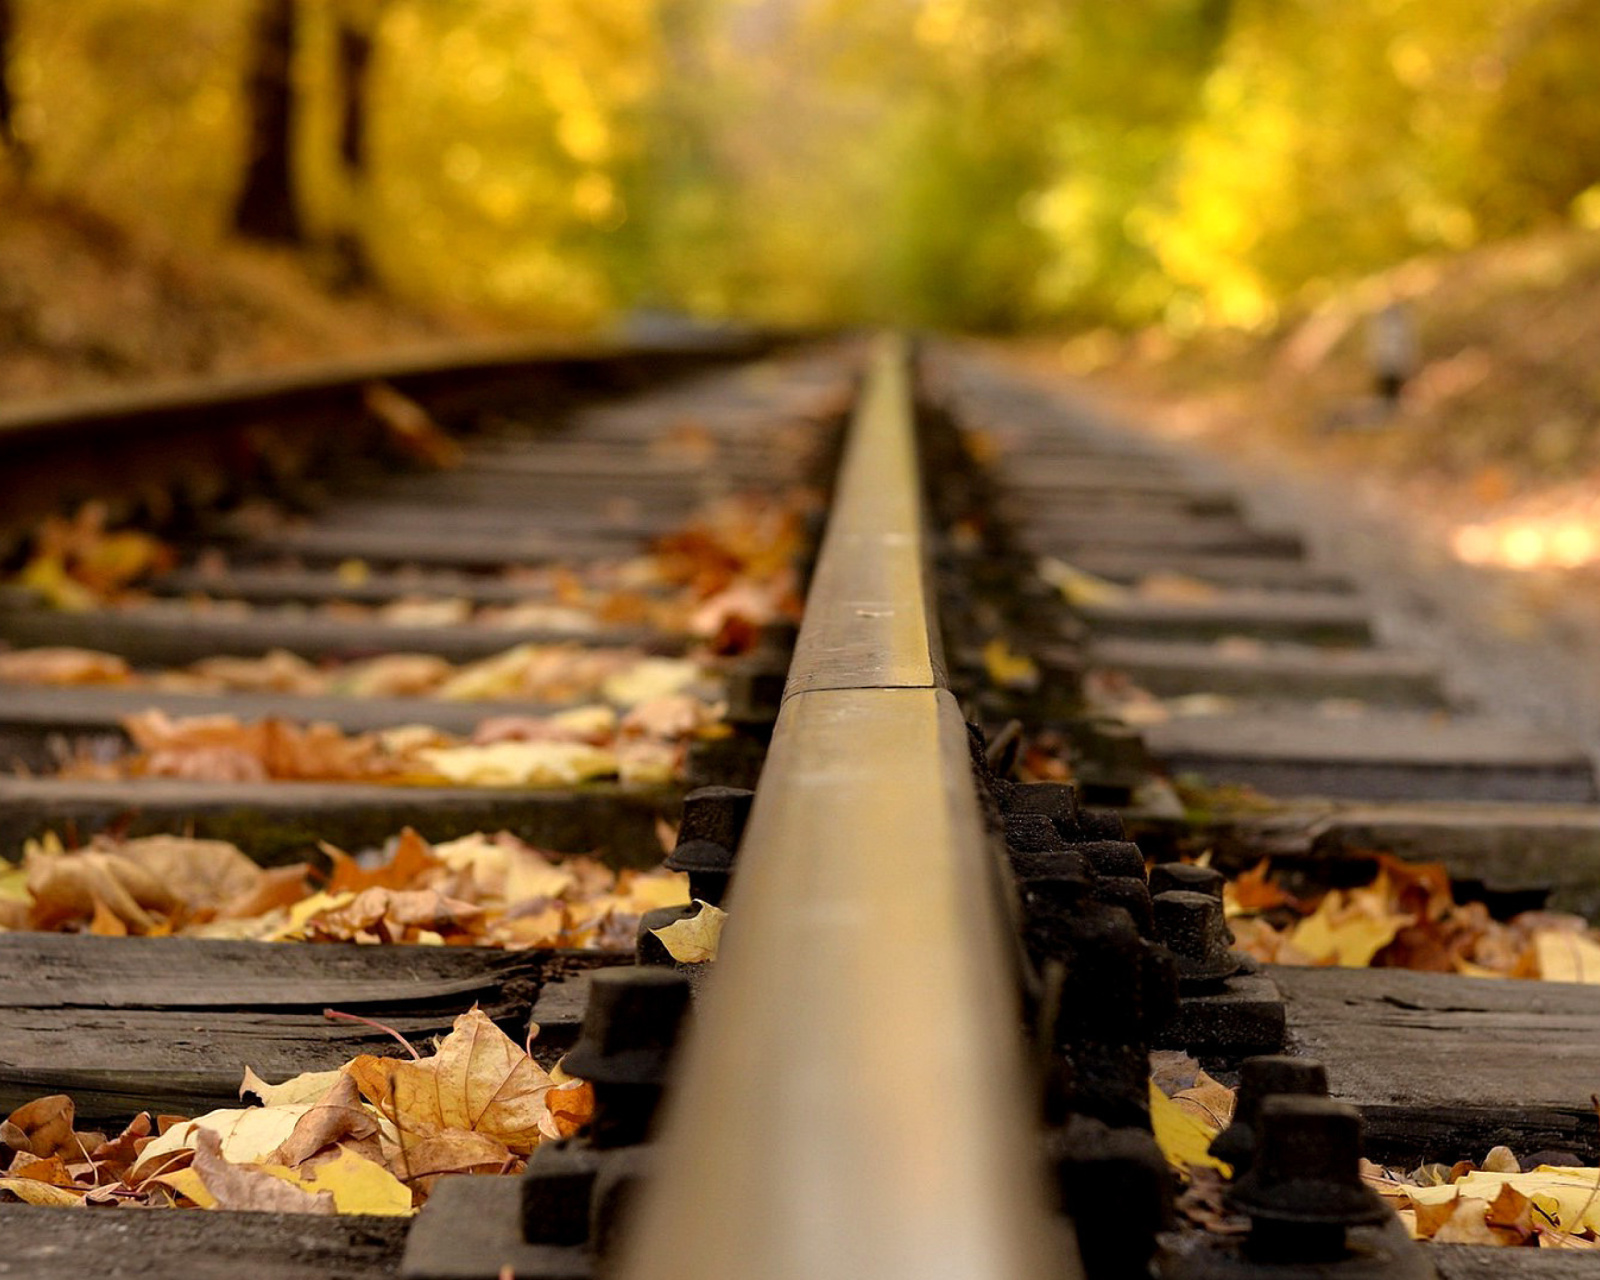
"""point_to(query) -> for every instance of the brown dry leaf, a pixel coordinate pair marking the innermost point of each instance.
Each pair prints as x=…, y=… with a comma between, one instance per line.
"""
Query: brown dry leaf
x=1465, y=1224
x=571, y=1103
x=276, y=887
x=205, y=874
x=52, y=1170
x=105, y=923
x=43, y=1127
x=236, y=1185
x=336, y=1118
x=479, y=1080
x=114, y=1157
x=1552, y=1239
x=1251, y=891
x=387, y=915
x=412, y=859
x=68, y=887
x=1208, y=1100
x=63, y=666
x=1511, y=1211
x=277, y=671
x=310, y=1086
x=425, y=1158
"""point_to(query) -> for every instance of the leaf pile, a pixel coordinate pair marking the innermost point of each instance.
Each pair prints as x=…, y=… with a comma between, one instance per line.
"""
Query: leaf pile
x=1407, y=918
x=372, y=1137
x=733, y=564
x=645, y=745
x=1499, y=1203
x=1188, y=1108
x=553, y=673
x=479, y=890
x=74, y=563
x=726, y=573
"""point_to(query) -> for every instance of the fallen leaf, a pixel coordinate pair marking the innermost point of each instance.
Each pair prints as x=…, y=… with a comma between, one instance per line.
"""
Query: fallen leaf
x=41, y=1193
x=52, y=1170
x=1079, y=587
x=310, y=1086
x=1566, y=957
x=360, y=1185
x=246, y=1135
x=337, y=1118
x=234, y=1184
x=521, y=764
x=479, y=1080
x=63, y=666
x=1348, y=928
x=412, y=857
x=1008, y=669
x=42, y=1127
x=1182, y=1136
x=1208, y=1100
x=694, y=940
x=650, y=679
x=1465, y=1225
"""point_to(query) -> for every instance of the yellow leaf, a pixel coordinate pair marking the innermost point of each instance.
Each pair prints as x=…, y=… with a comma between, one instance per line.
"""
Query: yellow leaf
x=649, y=890
x=48, y=576
x=1079, y=587
x=14, y=884
x=359, y=1185
x=1347, y=930
x=188, y=1183
x=1565, y=1198
x=1182, y=1136
x=30, y=1191
x=246, y=1134
x=1566, y=957
x=649, y=678
x=694, y=941
x=301, y=913
x=309, y=1086
x=520, y=764
x=1008, y=669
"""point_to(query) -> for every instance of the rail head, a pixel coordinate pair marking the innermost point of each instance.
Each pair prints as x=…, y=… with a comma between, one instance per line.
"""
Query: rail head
x=852, y=1100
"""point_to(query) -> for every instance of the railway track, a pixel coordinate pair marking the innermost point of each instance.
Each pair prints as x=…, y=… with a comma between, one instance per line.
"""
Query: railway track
x=1035, y=657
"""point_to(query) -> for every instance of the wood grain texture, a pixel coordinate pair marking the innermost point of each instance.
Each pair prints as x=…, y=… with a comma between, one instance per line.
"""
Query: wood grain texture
x=133, y=1245
x=168, y=1024
x=1445, y=1067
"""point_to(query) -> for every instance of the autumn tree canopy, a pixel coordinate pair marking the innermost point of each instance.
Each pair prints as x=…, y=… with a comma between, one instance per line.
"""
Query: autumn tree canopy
x=986, y=163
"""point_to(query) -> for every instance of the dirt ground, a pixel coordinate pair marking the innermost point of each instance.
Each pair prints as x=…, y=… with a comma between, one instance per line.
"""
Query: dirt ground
x=87, y=303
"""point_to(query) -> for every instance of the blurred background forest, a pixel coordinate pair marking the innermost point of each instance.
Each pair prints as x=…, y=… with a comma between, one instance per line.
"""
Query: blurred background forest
x=980, y=164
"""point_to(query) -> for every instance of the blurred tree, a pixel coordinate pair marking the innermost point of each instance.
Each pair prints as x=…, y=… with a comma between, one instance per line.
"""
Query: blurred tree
x=9, y=142
x=354, y=46
x=266, y=208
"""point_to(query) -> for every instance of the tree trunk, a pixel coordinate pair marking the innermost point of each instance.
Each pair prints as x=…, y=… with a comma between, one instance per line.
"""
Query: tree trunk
x=266, y=207
x=355, y=61
x=351, y=266
x=9, y=142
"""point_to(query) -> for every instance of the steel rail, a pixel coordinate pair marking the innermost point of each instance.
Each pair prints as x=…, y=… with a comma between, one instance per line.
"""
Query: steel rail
x=852, y=1100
